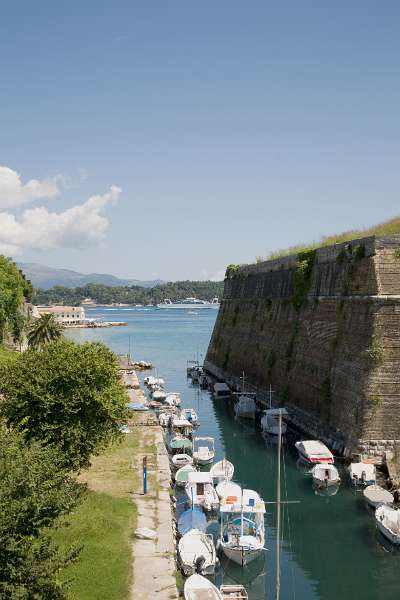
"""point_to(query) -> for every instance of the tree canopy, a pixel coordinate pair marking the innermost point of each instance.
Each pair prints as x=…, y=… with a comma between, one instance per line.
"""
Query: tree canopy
x=44, y=329
x=34, y=491
x=14, y=288
x=67, y=396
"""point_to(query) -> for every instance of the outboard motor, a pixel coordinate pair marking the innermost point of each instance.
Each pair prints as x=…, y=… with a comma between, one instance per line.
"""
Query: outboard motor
x=199, y=564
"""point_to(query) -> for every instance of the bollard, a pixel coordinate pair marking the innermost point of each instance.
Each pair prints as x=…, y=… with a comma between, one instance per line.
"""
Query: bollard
x=145, y=475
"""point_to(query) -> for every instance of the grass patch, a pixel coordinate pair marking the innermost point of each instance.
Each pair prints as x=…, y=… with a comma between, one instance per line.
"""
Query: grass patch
x=102, y=525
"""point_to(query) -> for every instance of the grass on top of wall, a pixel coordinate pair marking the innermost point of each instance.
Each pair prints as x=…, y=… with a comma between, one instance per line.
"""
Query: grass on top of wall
x=390, y=227
x=102, y=525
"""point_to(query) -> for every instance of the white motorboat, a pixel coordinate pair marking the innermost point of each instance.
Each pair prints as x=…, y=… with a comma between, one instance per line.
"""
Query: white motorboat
x=221, y=390
x=362, y=473
x=314, y=451
x=172, y=399
x=388, y=521
x=181, y=460
x=203, y=450
x=159, y=395
x=199, y=588
x=325, y=475
x=222, y=471
x=152, y=381
x=375, y=495
x=270, y=421
x=200, y=490
x=181, y=425
x=188, y=303
x=242, y=534
x=229, y=488
x=245, y=407
x=234, y=592
x=182, y=475
x=197, y=553
x=191, y=415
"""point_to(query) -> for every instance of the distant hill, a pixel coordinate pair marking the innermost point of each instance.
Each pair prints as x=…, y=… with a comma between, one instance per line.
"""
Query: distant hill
x=47, y=277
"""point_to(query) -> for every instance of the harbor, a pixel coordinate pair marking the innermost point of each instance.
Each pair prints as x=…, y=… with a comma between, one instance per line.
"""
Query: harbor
x=326, y=540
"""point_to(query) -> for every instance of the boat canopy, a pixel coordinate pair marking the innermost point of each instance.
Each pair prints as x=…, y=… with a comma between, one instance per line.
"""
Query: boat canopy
x=200, y=477
x=180, y=443
x=221, y=388
x=177, y=422
x=248, y=502
x=193, y=518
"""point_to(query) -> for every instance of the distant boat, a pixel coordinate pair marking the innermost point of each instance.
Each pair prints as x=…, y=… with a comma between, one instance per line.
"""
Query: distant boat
x=138, y=407
x=362, y=473
x=221, y=390
x=325, y=475
x=203, y=450
x=270, y=421
x=375, y=495
x=189, y=303
x=246, y=406
x=234, y=592
x=388, y=521
x=191, y=415
x=314, y=451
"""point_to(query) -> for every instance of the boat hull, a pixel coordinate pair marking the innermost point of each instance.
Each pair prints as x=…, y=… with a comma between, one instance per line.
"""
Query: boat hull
x=323, y=483
x=239, y=555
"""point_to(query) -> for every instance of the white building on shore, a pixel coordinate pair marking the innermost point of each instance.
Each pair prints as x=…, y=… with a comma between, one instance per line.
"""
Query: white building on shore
x=65, y=315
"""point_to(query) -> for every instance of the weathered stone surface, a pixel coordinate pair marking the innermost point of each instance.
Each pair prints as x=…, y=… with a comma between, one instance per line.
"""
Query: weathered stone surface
x=335, y=361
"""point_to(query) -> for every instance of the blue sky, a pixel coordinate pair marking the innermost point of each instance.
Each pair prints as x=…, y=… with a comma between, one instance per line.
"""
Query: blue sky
x=231, y=129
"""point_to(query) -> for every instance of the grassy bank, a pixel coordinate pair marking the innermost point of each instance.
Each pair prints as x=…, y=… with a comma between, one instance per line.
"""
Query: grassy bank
x=103, y=526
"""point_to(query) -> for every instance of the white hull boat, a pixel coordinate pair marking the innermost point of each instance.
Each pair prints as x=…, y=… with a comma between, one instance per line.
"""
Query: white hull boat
x=242, y=527
x=228, y=488
x=203, y=450
x=199, y=588
x=313, y=452
x=388, y=522
x=172, y=399
x=182, y=475
x=181, y=460
x=222, y=471
x=188, y=304
x=245, y=408
x=159, y=395
x=325, y=475
x=200, y=491
x=197, y=553
x=362, y=473
x=190, y=415
x=270, y=421
x=375, y=495
x=234, y=592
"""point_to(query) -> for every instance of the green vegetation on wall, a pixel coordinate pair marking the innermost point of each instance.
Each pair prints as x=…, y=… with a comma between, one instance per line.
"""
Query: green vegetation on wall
x=302, y=278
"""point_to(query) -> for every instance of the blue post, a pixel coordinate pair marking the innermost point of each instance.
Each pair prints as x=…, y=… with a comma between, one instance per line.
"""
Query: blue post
x=145, y=475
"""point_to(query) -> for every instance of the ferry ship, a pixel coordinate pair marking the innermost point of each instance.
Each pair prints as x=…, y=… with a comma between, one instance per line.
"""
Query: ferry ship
x=189, y=303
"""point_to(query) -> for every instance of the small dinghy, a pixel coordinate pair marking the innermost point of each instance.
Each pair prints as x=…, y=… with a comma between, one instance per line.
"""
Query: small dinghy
x=245, y=408
x=325, y=475
x=182, y=475
x=234, y=592
x=388, y=521
x=362, y=473
x=314, y=451
x=199, y=588
x=375, y=495
x=203, y=450
x=197, y=553
x=228, y=488
x=181, y=460
x=200, y=491
x=190, y=415
x=192, y=518
x=222, y=471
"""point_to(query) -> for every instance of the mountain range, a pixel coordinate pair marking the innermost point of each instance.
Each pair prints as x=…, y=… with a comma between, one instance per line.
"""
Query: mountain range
x=47, y=277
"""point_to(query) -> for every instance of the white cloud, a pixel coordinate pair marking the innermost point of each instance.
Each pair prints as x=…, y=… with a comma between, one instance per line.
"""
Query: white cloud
x=13, y=192
x=76, y=227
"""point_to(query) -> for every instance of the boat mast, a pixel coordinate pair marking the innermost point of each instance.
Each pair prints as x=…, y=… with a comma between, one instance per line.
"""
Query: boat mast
x=278, y=515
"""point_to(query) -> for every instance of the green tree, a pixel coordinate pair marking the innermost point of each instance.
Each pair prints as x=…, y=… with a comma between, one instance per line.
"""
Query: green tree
x=68, y=396
x=34, y=491
x=14, y=289
x=44, y=329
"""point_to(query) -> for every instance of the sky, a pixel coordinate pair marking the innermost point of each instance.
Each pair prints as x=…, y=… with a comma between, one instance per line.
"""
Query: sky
x=168, y=139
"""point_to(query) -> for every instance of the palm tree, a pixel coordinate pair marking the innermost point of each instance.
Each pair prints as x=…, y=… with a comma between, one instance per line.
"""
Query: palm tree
x=43, y=330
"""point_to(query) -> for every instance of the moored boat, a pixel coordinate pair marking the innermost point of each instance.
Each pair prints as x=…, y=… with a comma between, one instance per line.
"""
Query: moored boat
x=180, y=445
x=325, y=475
x=190, y=415
x=222, y=471
x=362, y=473
x=245, y=407
x=192, y=518
x=172, y=399
x=159, y=395
x=200, y=490
x=181, y=460
x=270, y=421
x=375, y=495
x=314, y=451
x=229, y=488
x=203, y=450
x=234, y=592
x=182, y=475
x=221, y=390
x=197, y=553
x=199, y=588
x=388, y=522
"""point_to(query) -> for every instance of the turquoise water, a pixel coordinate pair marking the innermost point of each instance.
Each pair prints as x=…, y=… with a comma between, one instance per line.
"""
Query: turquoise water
x=330, y=547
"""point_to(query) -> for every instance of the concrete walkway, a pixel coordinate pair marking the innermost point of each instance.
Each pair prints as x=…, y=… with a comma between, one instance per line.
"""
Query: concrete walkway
x=154, y=561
